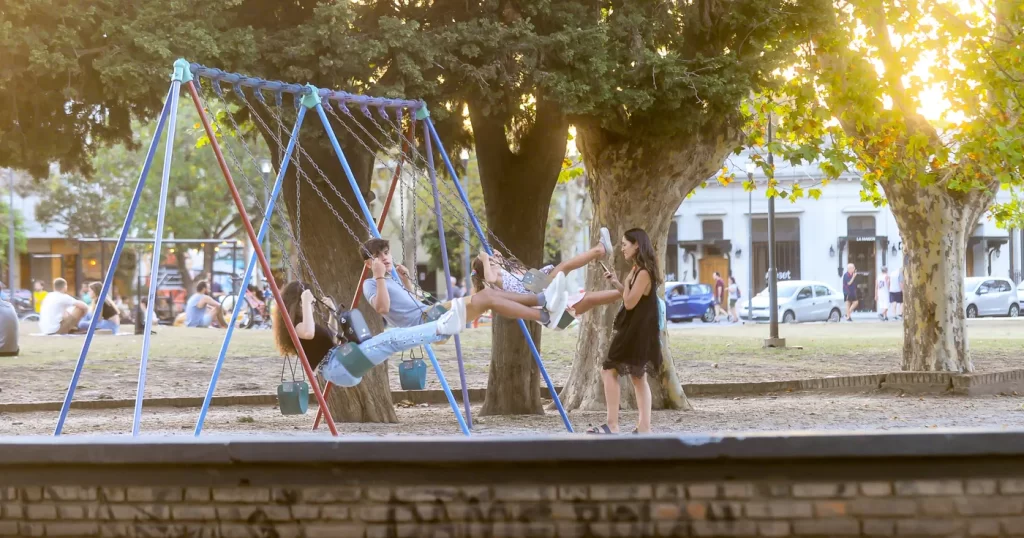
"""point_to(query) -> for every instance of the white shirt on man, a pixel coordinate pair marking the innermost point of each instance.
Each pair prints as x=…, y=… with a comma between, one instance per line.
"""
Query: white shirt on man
x=52, y=311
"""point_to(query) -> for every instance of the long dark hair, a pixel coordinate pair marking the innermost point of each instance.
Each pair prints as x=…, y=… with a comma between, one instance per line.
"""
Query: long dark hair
x=645, y=258
x=292, y=295
x=478, y=275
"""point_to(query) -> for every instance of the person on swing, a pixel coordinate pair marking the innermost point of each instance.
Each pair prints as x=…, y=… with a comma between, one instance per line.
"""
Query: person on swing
x=321, y=345
x=400, y=306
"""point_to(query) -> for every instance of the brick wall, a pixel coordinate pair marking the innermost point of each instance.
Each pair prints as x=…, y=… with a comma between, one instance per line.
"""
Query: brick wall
x=972, y=507
x=825, y=485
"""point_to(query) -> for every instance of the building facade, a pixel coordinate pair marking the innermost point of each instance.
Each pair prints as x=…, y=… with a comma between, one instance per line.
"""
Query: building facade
x=725, y=229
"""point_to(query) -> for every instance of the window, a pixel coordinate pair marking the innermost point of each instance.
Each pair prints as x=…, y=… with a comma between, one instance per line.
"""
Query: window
x=822, y=291
x=678, y=291
x=989, y=286
x=860, y=226
x=787, y=249
x=1003, y=285
x=698, y=289
x=712, y=229
x=804, y=294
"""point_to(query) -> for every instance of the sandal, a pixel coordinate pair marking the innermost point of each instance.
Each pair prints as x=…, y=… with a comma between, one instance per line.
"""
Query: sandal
x=600, y=430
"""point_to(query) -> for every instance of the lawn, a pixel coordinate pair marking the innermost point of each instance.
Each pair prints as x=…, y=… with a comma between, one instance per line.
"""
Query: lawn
x=182, y=359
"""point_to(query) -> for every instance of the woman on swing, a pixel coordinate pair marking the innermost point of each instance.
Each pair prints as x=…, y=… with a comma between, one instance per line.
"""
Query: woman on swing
x=488, y=272
x=322, y=347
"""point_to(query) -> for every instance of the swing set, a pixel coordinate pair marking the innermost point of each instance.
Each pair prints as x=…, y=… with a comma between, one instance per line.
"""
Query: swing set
x=378, y=129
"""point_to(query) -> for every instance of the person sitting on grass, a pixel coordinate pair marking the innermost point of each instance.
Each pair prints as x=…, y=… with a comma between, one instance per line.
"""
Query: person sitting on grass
x=321, y=345
x=400, y=306
x=9, y=327
x=110, y=316
x=60, y=312
x=201, y=310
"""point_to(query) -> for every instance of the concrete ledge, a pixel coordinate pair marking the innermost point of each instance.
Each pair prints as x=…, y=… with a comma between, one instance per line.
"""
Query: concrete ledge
x=910, y=382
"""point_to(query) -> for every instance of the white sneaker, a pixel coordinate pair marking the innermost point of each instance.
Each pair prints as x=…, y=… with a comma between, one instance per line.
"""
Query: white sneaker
x=454, y=320
x=606, y=242
x=557, y=286
x=555, y=310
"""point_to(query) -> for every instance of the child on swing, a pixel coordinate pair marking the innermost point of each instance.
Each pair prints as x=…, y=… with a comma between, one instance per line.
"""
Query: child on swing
x=400, y=306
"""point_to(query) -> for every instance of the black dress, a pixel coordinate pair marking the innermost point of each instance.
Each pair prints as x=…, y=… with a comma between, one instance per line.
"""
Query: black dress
x=636, y=341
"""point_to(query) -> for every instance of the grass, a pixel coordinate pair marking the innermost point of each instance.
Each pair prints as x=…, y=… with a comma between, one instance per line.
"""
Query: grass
x=181, y=359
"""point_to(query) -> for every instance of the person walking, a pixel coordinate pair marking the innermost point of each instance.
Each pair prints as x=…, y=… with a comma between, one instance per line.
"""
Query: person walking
x=896, y=294
x=734, y=297
x=850, y=290
x=882, y=295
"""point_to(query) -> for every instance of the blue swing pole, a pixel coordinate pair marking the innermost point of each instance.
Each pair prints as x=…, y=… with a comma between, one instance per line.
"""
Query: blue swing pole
x=108, y=279
x=264, y=228
x=181, y=74
x=369, y=218
x=444, y=256
x=487, y=247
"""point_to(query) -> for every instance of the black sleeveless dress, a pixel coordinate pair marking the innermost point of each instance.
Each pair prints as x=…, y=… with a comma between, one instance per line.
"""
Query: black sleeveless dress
x=636, y=341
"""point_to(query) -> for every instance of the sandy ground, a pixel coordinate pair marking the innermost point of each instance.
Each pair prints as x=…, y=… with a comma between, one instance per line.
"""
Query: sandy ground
x=868, y=411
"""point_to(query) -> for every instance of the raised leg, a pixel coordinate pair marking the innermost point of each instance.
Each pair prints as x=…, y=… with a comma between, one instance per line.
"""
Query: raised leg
x=643, y=403
x=478, y=303
x=610, y=379
x=580, y=260
x=593, y=299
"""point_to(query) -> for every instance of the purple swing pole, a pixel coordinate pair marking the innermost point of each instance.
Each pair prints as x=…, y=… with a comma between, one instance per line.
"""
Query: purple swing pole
x=444, y=262
x=108, y=278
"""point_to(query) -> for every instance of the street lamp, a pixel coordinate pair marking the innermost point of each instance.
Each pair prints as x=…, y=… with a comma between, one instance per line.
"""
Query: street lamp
x=750, y=243
x=266, y=167
x=773, y=339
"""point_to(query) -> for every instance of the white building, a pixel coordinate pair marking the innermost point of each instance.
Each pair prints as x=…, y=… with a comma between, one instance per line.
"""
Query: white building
x=815, y=239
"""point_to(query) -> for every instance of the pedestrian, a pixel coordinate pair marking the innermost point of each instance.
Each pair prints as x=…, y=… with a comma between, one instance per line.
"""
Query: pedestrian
x=882, y=295
x=720, y=297
x=896, y=294
x=734, y=297
x=636, y=339
x=850, y=290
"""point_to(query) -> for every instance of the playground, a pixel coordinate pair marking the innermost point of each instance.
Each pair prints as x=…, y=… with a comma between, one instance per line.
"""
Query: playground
x=181, y=361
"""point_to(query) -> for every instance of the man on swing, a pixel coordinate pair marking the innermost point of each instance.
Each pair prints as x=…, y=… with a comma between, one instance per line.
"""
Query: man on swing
x=400, y=306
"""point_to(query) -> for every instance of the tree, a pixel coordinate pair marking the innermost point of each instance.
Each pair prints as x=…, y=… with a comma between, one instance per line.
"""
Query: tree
x=873, y=69
x=668, y=117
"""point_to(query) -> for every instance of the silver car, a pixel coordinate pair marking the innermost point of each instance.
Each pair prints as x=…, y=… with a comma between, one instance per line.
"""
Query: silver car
x=990, y=296
x=799, y=300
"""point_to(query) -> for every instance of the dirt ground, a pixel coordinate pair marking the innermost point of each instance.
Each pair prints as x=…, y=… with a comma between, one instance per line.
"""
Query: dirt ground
x=868, y=411
x=182, y=361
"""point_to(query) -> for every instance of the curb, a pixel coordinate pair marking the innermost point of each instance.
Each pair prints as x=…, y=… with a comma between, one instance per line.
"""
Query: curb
x=909, y=382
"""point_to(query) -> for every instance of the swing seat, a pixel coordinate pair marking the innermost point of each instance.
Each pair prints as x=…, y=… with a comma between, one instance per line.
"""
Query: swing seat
x=293, y=397
x=433, y=313
x=412, y=373
x=536, y=281
x=353, y=326
x=352, y=358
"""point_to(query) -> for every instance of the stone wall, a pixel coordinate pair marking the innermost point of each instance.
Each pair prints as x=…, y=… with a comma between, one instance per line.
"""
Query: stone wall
x=906, y=486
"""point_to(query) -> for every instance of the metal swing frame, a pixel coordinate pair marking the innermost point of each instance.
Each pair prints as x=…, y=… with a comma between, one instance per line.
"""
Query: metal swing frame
x=307, y=97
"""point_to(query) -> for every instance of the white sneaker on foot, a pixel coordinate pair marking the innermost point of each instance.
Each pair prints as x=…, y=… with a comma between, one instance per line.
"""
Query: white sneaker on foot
x=555, y=310
x=606, y=242
x=454, y=320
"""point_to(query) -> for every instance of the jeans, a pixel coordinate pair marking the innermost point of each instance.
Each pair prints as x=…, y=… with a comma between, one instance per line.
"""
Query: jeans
x=100, y=325
x=380, y=347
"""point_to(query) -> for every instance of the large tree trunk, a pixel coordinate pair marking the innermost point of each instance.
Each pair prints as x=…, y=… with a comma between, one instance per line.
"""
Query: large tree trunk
x=517, y=191
x=333, y=254
x=935, y=225
x=634, y=183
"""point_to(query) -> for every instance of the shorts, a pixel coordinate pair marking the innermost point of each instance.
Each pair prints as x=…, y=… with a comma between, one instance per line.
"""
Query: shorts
x=850, y=297
x=896, y=297
x=732, y=302
x=68, y=323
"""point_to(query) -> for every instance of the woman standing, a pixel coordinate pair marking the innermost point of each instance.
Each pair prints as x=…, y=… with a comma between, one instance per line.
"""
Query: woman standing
x=636, y=342
x=734, y=297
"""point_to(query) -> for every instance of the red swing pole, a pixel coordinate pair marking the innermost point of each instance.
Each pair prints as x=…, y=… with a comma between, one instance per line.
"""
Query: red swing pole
x=380, y=227
x=262, y=259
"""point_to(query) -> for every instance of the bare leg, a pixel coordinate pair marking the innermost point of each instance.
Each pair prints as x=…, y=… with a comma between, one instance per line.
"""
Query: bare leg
x=478, y=303
x=579, y=260
x=643, y=403
x=610, y=379
x=593, y=299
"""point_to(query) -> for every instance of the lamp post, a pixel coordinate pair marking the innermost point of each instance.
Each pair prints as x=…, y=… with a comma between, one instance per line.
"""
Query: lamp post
x=773, y=339
x=750, y=243
x=10, y=235
x=266, y=167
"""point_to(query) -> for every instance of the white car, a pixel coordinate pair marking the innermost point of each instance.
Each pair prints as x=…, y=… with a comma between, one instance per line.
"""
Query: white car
x=990, y=296
x=1020, y=295
x=799, y=300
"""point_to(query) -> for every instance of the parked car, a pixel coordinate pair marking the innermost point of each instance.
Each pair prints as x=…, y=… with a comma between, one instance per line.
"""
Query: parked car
x=686, y=301
x=799, y=300
x=1020, y=296
x=990, y=296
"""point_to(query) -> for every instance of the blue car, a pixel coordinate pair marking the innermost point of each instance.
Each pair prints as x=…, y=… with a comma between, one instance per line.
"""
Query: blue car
x=686, y=301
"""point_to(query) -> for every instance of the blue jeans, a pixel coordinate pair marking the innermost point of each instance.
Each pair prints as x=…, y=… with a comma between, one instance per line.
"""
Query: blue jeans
x=100, y=325
x=380, y=347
